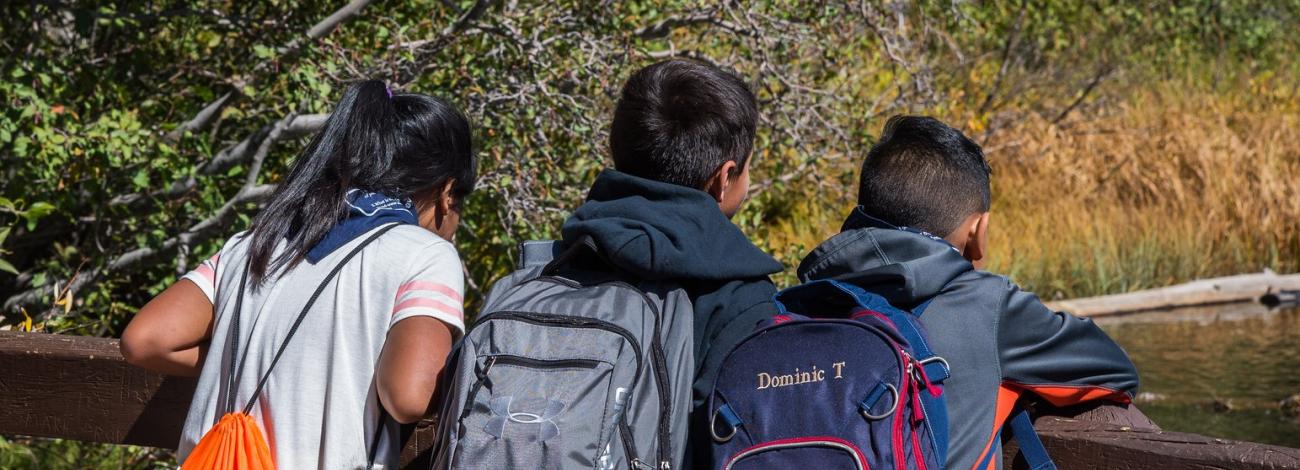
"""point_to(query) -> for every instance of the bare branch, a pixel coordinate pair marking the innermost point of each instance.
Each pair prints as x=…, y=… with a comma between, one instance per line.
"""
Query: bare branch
x=667, y=25
x=200, y=232
x=319, y=30
x=1012, y=40
x=289, y=127
x=1101, y=74
x=328, y=24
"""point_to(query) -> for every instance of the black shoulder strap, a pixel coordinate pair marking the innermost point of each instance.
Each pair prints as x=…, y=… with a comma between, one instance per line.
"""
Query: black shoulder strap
x=230, y=391
x=583, y=245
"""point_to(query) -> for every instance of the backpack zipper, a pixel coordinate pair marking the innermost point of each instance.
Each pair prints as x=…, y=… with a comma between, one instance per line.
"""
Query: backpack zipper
x=546, y=363
x=566, y=321
x=480, y=377
x=629, y=445
x=659, y=364
x=859, y=461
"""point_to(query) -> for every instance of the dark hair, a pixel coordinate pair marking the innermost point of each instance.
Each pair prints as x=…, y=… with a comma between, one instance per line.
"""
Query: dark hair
x=397, y=144
x=925, y=175
x=679, y=120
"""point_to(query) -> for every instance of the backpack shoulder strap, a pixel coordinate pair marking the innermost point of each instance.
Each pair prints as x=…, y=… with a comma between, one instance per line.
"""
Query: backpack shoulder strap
x=1031, y=447
x=837, y=293
x=302, y=314
x=533, y=253
x=584, y=245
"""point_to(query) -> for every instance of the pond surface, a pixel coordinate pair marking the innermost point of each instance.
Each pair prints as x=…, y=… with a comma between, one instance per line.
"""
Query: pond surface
x=1244, y=358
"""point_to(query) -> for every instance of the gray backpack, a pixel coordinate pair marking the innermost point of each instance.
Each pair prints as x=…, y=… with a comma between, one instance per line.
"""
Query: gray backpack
x=571, y=365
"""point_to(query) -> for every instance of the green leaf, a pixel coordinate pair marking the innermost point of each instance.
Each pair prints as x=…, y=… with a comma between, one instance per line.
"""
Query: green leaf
x=36, y=212
x=7, y=267
x=141, y=179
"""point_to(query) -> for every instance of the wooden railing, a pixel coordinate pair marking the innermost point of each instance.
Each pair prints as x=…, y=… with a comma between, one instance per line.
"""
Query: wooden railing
x=80, y=388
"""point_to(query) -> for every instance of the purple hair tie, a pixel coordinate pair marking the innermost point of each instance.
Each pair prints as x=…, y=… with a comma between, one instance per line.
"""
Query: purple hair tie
x=389, y=90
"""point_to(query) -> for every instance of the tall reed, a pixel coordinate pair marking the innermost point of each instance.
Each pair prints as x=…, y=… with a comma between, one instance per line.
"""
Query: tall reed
x=1171, y=184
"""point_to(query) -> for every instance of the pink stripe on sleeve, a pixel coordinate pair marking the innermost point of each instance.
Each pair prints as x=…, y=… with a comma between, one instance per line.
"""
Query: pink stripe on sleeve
x=429, y=286
x=430, y=303
x=207, y=273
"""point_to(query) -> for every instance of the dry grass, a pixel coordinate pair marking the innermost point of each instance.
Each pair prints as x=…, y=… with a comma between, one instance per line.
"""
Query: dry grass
x=1163, y=185
x=1169, y=185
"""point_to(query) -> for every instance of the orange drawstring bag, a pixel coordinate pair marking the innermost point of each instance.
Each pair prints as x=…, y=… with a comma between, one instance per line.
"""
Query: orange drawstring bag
x=236, y=442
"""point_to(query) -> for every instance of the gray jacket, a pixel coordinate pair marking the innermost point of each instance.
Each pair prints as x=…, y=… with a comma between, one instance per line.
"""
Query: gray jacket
x=1000, y=341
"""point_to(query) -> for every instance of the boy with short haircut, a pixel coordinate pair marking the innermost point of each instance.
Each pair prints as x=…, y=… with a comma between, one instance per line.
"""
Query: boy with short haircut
x=681, y=139
x=924, y=178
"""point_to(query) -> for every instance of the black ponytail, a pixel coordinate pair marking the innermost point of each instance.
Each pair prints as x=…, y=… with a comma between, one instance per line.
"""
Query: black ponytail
x=400, y=145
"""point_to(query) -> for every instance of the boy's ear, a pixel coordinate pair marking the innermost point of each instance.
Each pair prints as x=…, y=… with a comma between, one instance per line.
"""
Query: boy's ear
x=720, y=183
x=977, y=240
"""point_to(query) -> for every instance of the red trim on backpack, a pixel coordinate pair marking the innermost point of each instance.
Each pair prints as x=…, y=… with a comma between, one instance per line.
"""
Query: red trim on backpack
x=873, y=313
x=900, y=452
x=916, y=450
x=799, y=440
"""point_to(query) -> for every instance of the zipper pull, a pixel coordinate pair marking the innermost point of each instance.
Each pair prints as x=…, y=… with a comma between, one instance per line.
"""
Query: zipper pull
x=487, y=366
x=637, y=463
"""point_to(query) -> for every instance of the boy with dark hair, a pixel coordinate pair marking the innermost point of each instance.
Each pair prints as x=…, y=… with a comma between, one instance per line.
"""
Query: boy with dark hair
x=681, y=140
x=920, y=233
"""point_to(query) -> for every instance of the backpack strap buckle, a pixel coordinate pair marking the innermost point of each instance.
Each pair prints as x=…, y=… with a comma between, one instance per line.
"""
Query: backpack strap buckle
x=872, y=398
x=936, y=369
x=730, y=418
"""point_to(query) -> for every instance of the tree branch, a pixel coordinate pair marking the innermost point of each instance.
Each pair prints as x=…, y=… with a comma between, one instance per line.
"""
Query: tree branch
x=1102, y=72
x=1006, y=59
x=290, y=127
x=667, y=25
x=200, y=232
x=319, y=30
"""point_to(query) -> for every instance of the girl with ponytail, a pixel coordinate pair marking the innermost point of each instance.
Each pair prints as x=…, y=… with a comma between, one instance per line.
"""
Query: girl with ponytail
x=346, y=287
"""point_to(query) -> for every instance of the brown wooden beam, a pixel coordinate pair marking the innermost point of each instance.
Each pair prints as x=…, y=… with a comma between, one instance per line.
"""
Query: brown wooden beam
x=76, y=387
x=80, y=388
x=1112, y=437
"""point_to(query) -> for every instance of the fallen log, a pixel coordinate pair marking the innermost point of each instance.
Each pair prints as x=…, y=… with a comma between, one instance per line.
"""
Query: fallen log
x=80, y=388
x=1259, y=287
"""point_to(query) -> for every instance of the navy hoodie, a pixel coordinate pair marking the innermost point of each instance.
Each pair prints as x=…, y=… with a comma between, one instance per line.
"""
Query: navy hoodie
x=666, y=232
x=1000, y=341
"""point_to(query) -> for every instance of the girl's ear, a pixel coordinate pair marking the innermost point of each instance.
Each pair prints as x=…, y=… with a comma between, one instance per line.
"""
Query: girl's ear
x=436, y=206
x=446, y=201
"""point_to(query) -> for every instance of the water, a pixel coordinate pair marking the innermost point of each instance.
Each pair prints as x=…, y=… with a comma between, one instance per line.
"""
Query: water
x=1244, y=356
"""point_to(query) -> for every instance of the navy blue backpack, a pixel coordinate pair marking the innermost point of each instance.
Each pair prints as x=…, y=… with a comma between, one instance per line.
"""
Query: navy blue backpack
x=839, y=379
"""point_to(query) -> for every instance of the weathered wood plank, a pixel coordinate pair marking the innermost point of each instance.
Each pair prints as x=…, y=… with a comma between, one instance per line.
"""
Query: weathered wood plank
x=77, y=387
x=1111, y=437
x=1231, y=289
x=80, y=388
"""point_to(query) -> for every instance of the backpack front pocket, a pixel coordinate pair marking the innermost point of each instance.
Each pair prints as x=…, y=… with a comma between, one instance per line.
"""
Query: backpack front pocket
x=823, y=453
x=526, y=412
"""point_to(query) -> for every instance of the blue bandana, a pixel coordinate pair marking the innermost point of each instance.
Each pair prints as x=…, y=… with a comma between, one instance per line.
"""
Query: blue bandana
x=366, y=211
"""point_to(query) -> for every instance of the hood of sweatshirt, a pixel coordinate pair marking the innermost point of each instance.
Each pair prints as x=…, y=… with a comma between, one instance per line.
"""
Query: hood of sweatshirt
x=871, y=252
x=663, y=231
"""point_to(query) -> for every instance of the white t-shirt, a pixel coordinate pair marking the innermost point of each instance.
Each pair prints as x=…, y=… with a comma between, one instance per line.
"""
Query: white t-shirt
x=319, y=408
